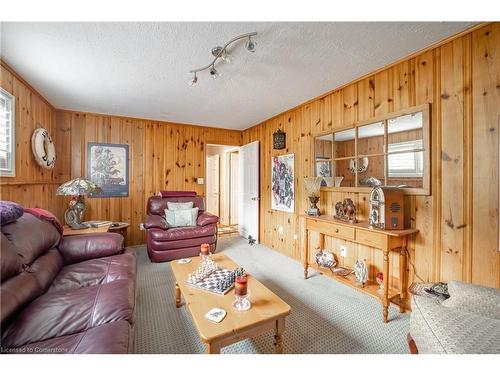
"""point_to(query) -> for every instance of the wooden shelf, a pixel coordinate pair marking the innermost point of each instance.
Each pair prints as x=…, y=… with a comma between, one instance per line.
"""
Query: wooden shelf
x=371, y=288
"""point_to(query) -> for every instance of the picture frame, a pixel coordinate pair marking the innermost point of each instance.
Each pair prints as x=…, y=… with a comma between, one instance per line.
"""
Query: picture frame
x=107, y=166
x=283, y=183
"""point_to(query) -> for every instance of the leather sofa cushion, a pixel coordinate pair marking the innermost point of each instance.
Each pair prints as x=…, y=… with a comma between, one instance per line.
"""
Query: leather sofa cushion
x=95, y=271
x=174, y=234
x=110, y=338
x=178, y=244
x=10, y=262
x=157, y=205
x=88, y=246
x=71, y=311
x=23, y=288
x=42, y=237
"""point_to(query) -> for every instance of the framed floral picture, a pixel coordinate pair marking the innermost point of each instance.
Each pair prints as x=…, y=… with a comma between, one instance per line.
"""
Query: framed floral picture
x=107, y=167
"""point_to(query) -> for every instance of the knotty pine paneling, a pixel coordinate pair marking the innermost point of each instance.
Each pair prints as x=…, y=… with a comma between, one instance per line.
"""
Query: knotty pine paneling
x=458, y=223
x=33, y=186
x=162, y=156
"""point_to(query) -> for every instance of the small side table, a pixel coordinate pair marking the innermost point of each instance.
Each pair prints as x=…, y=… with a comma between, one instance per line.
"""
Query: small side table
x=121, y=228
x=68, y=231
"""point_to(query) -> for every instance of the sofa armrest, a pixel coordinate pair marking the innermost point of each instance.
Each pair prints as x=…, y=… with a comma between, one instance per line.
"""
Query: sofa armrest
x=155, y=221
x=206, y=218
x=78, y=248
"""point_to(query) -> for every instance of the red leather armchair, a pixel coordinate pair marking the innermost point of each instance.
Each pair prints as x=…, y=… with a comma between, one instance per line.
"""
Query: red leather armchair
x=165, y=244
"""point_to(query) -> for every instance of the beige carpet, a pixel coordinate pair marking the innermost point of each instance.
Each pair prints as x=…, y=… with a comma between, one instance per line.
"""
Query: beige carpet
x=327, y=316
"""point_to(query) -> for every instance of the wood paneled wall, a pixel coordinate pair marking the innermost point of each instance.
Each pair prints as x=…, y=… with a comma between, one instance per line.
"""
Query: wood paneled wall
x=32, y=186
x=458, y=223
x=162, y=156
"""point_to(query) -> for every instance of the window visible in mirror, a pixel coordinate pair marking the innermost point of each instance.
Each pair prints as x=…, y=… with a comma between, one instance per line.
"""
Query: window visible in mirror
x=404, y=161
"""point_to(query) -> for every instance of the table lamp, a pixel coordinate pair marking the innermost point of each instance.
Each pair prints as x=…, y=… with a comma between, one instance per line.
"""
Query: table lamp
x=77, y=188
x=313, y=186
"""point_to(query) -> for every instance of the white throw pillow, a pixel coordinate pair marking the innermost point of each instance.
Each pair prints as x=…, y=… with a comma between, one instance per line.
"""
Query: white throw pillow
x=174, y=206
x=181, y=218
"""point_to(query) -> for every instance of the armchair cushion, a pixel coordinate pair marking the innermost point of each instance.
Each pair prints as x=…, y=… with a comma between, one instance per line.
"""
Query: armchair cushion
x=155, y=221
x=82, y=247
x=206, y=218
x=174, y=206
x=474, y=299
x=181, y=218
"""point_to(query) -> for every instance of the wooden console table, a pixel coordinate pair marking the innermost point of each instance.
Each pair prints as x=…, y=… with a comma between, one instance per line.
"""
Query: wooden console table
x=386, y=240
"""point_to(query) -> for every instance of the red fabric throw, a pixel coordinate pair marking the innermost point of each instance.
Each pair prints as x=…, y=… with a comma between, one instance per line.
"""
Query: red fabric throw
x=172, y=194
x=45, y=215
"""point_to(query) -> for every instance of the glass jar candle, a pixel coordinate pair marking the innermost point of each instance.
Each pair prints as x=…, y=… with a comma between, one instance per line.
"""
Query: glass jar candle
x=241, y=302
x=204, y=252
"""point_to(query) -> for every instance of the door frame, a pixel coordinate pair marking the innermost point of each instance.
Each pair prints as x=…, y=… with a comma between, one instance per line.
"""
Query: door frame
x=205, y=171
x=206, y=185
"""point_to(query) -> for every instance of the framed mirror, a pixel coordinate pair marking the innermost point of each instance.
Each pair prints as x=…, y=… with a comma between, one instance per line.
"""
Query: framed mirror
x=392, y=151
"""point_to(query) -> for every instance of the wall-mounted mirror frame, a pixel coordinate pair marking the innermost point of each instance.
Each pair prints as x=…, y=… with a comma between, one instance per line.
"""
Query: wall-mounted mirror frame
x=420, y=149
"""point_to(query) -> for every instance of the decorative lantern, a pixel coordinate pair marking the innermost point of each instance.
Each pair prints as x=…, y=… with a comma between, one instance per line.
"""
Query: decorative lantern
x=279, y=140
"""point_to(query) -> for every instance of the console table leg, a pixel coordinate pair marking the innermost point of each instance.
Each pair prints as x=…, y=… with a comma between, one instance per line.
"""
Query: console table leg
x=402, y=278
x=385, y=299
x=278, y=337
x=177, y=295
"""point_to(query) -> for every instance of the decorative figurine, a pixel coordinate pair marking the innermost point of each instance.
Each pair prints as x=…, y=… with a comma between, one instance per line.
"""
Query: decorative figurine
x=379, y=278
x=251, y=240
x=346, y=211
x=361, y=272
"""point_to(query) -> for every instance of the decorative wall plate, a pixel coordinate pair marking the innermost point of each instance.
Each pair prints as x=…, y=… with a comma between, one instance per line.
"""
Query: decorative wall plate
x=43, y=148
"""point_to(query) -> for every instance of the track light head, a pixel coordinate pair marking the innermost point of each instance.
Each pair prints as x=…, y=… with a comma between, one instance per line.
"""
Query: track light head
x=193, y=80
x=250, y=45
x=214, y=73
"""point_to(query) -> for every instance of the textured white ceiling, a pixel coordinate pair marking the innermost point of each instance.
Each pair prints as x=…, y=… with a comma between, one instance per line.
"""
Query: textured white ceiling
x=141, y=69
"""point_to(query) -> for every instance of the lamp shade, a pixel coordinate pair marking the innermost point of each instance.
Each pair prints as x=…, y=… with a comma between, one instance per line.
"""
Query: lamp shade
x=78, y=186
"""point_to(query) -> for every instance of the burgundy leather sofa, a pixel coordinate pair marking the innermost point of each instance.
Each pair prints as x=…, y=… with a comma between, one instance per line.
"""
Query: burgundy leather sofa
x=165, y=244
x=65, y=295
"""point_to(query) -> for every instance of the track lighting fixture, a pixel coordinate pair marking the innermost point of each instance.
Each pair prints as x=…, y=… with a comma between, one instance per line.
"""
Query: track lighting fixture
x=221, y=53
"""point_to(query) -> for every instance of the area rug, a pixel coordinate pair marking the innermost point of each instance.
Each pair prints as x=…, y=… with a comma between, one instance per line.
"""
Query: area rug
x=327, y=316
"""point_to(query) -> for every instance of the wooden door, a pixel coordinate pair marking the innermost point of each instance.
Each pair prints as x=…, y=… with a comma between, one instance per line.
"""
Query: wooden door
x=248, y=224
x=213, y=184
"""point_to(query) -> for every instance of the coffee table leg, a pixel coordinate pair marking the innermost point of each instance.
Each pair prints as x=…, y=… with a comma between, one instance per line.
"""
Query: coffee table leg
x=212, y=348
x=177, y=296
x=278, y=337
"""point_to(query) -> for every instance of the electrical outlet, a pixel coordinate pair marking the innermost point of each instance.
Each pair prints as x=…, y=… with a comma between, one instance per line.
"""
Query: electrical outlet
x=141, y=226
x=295, y=236
x=280, y=229
x=343, y=251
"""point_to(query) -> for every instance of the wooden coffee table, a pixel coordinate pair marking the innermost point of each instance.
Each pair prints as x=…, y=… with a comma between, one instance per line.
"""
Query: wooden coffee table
x=267, y=313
